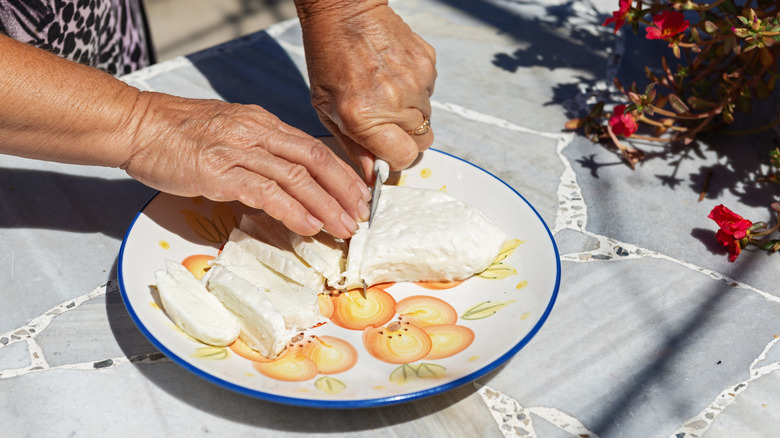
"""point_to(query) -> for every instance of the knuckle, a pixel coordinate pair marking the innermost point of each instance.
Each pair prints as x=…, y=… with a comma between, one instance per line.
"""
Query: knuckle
x=351, y=114
x=298, y=175
x=319, y=153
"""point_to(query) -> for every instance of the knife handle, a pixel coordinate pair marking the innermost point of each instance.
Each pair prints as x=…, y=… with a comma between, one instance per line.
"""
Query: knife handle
x=381, y=170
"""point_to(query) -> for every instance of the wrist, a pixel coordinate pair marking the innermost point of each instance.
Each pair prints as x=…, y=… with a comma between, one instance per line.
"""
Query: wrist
x=131, y=133
x=310, y=10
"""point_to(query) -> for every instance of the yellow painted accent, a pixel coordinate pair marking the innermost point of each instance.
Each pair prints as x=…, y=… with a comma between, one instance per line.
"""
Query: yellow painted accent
x=473, y=358
x=497, y=271
x=154, y=305
x=425, y=173
x=522, y=284
x=164, y=245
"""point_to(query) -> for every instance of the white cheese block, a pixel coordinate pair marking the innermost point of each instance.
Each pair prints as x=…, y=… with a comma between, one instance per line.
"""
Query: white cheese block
x=286, y=263
x=423, y=235
x=297, y=304
x=323, y=252
x=193, y=309
x=262, y=326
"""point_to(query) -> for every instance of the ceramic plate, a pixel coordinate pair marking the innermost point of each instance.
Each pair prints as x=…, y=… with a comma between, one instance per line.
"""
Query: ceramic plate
x=492, y=316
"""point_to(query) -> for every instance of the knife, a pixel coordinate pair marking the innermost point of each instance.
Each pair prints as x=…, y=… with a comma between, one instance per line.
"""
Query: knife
x=381, y=172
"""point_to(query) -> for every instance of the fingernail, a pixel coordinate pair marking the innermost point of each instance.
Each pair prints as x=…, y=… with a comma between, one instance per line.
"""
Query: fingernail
x=349, y=223
x=315, y=222
x=364, y=190
x=363, y=210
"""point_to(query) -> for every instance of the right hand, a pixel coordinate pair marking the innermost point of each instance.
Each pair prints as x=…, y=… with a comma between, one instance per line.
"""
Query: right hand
x=371, y=79
x=228, y=152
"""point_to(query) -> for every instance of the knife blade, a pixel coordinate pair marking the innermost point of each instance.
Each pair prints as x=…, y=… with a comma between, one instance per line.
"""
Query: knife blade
x=381, y=172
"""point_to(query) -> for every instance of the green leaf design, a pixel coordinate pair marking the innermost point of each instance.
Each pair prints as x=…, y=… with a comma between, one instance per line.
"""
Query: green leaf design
x=212, y=353
x=407, y=372
x=329, y=385
x=484, y=309
x=431, y=371
x=507, y=249
x=403, y=374
x=498, y=271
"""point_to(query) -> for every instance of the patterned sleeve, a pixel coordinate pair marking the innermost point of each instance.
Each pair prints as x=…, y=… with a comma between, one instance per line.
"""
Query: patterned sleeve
x=110, y=35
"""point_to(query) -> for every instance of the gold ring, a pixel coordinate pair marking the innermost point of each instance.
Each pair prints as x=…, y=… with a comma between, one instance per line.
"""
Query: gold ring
x=422, y=129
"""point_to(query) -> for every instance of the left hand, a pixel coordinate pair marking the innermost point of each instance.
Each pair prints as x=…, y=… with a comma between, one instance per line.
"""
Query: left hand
x=371, y=79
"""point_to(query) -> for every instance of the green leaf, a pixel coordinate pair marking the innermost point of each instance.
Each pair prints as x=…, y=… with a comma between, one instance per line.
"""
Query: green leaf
x=678, y=105
x=329, y=385
x=597, y=109
x=403, y=374
x=507, y=249
x=701, y=104
x=211, y=353
x=729, y=6
x=497, y=271
x=484, y=309
x=431, y=371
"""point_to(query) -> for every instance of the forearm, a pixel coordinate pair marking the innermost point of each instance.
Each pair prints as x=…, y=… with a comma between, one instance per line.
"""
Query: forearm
x=58, y=110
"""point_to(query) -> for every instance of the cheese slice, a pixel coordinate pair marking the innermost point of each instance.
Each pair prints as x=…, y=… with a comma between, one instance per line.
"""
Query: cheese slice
x=422, y=235
x=284, y=262
x=262, y=326
x=297, y=304
x=193, y=309
x=322, y=252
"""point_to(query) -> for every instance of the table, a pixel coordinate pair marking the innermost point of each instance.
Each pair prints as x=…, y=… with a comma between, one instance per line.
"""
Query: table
x=654, y=332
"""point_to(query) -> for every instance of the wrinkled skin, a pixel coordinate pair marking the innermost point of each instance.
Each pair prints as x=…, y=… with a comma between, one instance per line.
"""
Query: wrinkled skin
x=371, y=79
x=242, y=152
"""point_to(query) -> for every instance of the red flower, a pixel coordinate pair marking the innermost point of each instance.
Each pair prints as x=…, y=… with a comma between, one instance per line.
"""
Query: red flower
x=731, y=244
x=667, y=24
x=622, y=124
x=619, y=17
x=733, y=228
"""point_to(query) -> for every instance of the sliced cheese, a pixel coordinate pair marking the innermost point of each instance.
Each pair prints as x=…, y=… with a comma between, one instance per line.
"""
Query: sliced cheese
x=286, y=263
x=322, y=252
x=262, y=326
x=424, y=235
x=297, y=304
x=193, y=309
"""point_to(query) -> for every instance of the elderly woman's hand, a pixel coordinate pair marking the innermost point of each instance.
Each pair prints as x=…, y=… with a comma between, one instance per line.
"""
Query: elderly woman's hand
x=57, y=110
x=231, y=152
x=371, y=79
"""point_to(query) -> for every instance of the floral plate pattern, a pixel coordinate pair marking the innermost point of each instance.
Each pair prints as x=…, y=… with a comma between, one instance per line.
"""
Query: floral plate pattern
x=452, y=333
